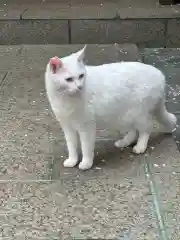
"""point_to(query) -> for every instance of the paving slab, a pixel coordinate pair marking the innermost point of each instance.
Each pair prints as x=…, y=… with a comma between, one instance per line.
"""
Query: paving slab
x=166, y=174
x=112, y=205
x=165, y=171
x=149, y=33
x=173, y=35
x=34, y=32
x=87, y=9
x=8, y=54
x=71, y=10
x=11, y=10
x=106, y=9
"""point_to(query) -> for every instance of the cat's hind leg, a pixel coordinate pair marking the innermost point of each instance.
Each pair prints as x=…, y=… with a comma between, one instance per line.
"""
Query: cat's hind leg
x=144, y=126
x=128, y=139
x=142, y=142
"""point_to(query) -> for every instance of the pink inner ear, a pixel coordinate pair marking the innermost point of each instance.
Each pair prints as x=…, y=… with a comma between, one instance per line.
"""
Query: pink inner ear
x=55, y=64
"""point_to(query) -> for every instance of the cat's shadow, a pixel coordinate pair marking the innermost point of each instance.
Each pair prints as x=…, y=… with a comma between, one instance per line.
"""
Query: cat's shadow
x=107, y=158
x=109, y=155
x=106, y=154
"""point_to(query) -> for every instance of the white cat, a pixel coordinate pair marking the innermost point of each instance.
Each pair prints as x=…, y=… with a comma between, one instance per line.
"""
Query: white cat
x=126, y=96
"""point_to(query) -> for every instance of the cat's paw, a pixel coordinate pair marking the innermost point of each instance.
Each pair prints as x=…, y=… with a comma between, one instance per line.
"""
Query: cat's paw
x=84, y=165
x=120, y=144
x=70, y=162
x=139, y=149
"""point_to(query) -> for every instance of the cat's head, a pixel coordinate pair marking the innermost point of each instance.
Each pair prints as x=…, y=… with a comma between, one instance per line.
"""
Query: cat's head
x=68, y=74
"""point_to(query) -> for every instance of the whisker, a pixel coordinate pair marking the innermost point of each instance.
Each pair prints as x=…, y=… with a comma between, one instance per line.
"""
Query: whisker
x=63, y=92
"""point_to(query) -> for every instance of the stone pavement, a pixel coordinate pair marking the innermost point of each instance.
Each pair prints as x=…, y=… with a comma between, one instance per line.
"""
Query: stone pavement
x=123, y=196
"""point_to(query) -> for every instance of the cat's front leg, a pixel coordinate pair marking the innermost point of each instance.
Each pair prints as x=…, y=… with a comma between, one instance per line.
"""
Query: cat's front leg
x=72, y=144
x=87, y=138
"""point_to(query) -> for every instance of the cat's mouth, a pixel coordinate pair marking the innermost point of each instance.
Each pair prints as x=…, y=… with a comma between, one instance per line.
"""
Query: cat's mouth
x=71, y=92
x=74, y=91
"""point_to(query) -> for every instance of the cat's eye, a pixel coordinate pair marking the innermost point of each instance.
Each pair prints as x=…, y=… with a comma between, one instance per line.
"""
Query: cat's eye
x=81, y=76
x=69, y=79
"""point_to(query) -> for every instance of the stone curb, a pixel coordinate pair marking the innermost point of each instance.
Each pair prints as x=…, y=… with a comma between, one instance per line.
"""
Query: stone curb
x=146, y=27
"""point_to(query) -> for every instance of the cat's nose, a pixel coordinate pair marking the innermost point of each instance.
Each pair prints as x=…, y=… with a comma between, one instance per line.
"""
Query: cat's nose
x=79, y=87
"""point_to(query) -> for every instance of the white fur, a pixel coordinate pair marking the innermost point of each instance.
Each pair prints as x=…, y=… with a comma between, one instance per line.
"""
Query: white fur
x=126, y=96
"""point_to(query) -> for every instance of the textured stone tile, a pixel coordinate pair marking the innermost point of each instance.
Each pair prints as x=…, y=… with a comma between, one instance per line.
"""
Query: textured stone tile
x=11, y=10
x=144, y=11
x=33, y=32
x=173, y=106
x=100, y=54
x=168, y=195
x=164, y=156
x=146, y=33
x=25, y=133
x=95, y=54
x=173, y=33
x=166, y=174
x=162, y=57
x=30, y=211
x=8, y=54
x=71, y=10
x=165, y=162
x=109, y=206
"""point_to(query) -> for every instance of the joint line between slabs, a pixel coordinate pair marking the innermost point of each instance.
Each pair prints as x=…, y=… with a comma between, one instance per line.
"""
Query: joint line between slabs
x=26, y=181
x=160, y=221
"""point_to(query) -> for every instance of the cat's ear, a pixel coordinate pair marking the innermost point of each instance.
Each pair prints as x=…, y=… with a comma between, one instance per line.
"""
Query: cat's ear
x=81, y=54
x=55, y=64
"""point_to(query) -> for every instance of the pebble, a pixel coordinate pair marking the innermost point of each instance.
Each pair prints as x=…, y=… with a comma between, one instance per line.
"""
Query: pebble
x=174, y=130
x=156, y=165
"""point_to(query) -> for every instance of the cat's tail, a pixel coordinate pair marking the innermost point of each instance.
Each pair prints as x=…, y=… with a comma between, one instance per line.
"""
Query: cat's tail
x=168, y=120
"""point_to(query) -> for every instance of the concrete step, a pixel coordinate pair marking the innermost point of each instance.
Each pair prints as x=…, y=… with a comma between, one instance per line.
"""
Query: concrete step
x=143, y=22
